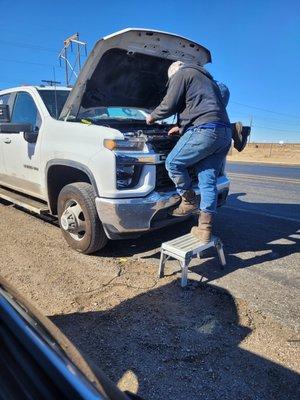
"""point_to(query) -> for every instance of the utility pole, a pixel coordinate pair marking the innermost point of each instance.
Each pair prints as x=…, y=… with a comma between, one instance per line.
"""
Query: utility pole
x=250, y=124
x=70, y=55
x=270, y=152
x=50, y=82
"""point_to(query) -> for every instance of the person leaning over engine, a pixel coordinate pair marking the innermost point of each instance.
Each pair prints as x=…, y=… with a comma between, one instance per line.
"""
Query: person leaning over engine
x=206, y=139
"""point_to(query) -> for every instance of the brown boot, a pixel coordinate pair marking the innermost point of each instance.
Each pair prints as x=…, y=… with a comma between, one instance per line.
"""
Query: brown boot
x=189, y=204
x=240, y=135
x=203, y=231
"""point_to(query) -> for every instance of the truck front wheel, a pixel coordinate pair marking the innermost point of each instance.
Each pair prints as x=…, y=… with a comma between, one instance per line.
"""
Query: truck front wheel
x=78, y=218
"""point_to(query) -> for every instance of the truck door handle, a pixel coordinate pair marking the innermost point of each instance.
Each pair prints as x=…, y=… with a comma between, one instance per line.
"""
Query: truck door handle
x=7, y=140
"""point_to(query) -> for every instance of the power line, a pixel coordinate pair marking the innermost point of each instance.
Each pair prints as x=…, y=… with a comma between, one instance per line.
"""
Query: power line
x=263, y=118
x=44, y=27
x=28, y=46
x=263, y=126
x=16, y=83
x=25, y=62
x=264, y=109
x=276, y=129
x=12, y=80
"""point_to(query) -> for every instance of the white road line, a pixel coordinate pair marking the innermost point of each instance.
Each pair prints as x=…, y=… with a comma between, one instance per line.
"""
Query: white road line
x=265, y=214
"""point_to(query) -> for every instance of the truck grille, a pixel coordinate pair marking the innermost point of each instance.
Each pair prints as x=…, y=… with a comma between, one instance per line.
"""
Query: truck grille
x=164, y=183
x=163, y=145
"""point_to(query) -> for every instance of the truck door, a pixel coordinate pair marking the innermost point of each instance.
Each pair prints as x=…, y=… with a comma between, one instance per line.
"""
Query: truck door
x=21, y=159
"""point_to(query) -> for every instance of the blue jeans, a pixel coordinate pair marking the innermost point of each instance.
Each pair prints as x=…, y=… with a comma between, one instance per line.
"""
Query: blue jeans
x=205, y=149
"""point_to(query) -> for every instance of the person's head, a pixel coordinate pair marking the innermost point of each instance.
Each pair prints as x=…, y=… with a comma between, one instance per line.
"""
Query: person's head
x=174, y=67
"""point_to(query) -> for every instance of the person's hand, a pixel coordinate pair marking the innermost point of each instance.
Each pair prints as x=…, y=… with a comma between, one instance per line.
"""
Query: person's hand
x=150, y=120
x=174, y=131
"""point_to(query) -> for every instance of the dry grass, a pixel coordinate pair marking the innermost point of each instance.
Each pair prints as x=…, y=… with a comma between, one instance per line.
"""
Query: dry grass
x=268, y=152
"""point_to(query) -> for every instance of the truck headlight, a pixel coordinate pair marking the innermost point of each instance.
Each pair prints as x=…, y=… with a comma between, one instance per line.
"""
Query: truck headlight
x=127, y=144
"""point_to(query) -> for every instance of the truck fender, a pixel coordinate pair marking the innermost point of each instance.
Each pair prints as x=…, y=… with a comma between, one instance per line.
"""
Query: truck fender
x=72, y=164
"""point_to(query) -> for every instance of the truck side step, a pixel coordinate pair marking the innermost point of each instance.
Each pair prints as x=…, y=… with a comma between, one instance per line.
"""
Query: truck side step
x=24, y=201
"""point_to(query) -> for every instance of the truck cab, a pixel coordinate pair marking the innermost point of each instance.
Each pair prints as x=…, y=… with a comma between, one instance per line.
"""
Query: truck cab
x=86, y=155
x=20, y=155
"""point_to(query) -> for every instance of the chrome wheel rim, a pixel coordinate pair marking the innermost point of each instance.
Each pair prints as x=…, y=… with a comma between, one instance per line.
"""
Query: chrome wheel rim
x=73, y=220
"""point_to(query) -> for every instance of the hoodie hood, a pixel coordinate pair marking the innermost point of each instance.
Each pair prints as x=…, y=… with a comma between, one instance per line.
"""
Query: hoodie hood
x=129, y=69
x=198, y=68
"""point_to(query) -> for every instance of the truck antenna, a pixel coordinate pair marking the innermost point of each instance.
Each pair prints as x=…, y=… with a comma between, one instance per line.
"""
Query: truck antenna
x=72, y=67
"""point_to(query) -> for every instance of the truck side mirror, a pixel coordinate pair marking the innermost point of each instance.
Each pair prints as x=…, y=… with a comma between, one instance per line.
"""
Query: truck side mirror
x=4, y=113
x=31, y=136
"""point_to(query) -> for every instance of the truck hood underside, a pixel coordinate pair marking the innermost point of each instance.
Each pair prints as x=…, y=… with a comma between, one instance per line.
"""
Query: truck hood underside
x=129, y=69
x=122, y=79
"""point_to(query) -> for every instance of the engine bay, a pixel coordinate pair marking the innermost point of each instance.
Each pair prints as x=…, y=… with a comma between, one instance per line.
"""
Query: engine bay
x=155, y=135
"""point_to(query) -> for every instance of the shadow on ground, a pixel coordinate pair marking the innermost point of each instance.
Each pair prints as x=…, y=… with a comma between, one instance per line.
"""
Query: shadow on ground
x=178, y=345
x=267, y=237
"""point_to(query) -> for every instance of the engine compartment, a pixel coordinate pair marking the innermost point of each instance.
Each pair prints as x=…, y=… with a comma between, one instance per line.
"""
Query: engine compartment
x=155, y=135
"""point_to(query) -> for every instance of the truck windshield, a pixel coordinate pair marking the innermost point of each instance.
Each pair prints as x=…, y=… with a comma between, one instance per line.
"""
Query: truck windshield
x=54, y=100
x=104, y=113
x=119, y=113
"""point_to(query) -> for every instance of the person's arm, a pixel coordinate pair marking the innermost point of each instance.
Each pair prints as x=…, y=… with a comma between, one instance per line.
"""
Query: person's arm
x=172, y=101
x=225, y=94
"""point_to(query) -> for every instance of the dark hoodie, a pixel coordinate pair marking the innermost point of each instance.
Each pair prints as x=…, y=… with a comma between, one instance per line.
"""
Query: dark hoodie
x=194, y=96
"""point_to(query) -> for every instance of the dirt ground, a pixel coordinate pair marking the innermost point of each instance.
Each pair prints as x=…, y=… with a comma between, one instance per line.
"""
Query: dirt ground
x=149, y=335
x=268, y=153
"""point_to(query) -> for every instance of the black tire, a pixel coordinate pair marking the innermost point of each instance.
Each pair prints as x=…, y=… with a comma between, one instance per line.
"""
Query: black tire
x=94, y=237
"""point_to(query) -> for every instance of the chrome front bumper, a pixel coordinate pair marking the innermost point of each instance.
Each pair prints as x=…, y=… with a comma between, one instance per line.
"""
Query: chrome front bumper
x=121, y=217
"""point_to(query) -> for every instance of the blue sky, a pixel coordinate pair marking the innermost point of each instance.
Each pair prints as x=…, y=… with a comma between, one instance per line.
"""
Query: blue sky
x=255, y=47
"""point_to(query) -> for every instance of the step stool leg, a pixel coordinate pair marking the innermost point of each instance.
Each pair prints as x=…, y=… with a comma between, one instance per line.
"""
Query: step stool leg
x=162, y=261
x=184, y=274
x=220, y=250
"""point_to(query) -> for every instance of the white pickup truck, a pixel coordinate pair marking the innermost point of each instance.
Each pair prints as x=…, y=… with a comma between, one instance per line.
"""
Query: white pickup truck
x=86, y=155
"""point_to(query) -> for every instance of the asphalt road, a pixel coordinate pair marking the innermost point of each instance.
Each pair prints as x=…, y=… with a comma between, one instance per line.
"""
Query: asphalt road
x=270, y=170
x=260, y=225
x=265, y=189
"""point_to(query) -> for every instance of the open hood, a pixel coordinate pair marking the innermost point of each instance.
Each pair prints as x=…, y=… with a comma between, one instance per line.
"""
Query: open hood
x=129, y=69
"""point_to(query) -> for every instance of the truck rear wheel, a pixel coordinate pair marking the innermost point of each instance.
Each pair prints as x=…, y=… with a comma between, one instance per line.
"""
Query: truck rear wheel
x=78, y=218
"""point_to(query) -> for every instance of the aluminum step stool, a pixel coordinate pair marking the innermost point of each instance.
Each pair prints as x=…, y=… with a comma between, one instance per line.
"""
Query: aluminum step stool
x=184, y=249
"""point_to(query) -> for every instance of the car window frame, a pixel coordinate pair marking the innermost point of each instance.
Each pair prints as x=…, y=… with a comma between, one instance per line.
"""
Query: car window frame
x=5, y=94
x=39, y=90
x=10, y=101
x=12, y=108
